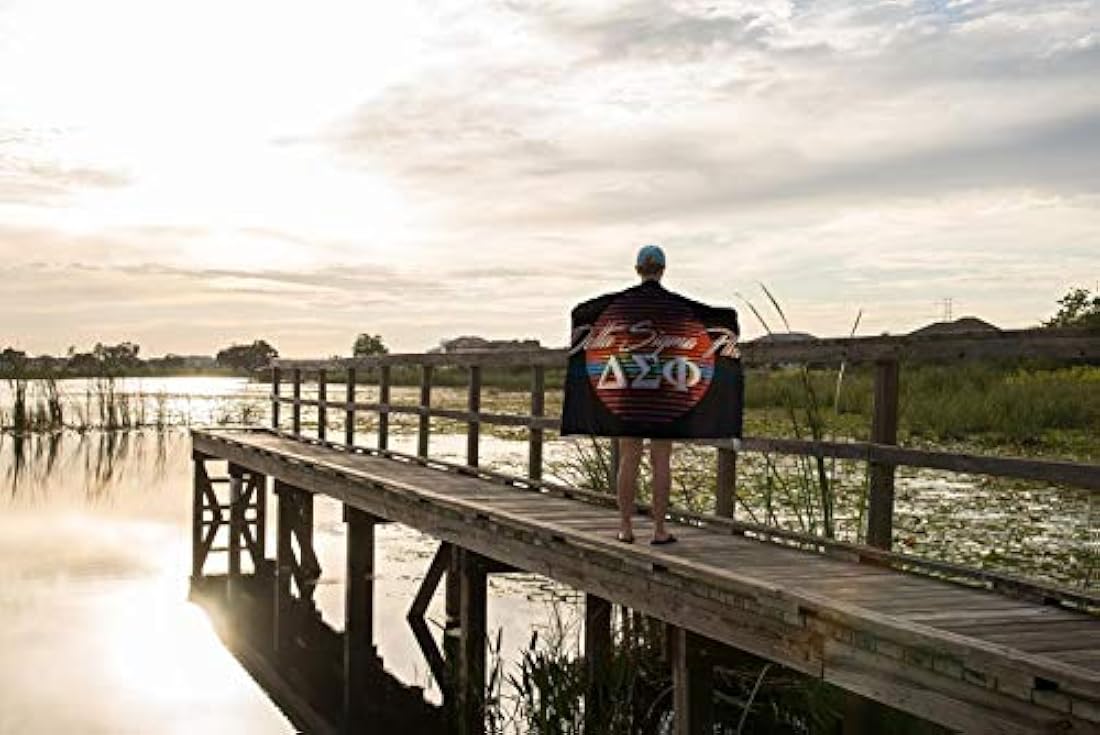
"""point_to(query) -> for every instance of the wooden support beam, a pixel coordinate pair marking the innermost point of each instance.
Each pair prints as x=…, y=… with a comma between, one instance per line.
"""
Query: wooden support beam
x=884, y=430
x=435, y=574
x=472, y=622
x=726, y=486
x=236, y=523
x=425, y=403
x=473, y=405
x=597, y=657
x=198, y=494
x=349, y=411
x=538, y=409
x=322, y=404
x=276, y=404
x=358, y=616
x=284, y=567
x=692, y=683
x=296, y=409
x=452, y=629
x=436, y=570
x=258, y=495
x=384, y=400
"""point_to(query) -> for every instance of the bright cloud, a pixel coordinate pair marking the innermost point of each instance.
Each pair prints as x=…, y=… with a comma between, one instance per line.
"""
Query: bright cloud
x=187, y=173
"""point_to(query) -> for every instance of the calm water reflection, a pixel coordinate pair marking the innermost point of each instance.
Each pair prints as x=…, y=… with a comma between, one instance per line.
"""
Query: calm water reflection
x=95, y=629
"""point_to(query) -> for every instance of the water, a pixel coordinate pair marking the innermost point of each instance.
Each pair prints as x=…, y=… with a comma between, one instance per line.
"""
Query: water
x=96, y=632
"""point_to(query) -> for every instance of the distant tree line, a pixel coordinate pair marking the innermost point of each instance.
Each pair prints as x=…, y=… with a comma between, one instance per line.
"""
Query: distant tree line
x=125, y=358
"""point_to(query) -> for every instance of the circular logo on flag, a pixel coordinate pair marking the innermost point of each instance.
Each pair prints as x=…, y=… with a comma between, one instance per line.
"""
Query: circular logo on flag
x=649, y=360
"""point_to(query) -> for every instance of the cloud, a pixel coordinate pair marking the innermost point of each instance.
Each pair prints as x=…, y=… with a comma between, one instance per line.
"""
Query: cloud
x=513, y=155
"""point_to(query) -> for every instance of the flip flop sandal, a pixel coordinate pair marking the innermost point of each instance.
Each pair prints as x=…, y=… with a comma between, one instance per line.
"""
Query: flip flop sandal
x=669, y=539
x=624, y=538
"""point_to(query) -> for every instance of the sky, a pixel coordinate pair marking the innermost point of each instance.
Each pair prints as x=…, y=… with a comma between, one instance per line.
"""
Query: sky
x=187, y=175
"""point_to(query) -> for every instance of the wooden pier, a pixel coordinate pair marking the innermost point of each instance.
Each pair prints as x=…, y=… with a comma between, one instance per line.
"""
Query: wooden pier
x=972, y=651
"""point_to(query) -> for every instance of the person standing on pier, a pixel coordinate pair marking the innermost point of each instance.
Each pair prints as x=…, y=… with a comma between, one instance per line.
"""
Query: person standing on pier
x=647, y=364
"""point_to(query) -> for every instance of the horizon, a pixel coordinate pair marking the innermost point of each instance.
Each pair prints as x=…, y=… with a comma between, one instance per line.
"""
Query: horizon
x=423, y=172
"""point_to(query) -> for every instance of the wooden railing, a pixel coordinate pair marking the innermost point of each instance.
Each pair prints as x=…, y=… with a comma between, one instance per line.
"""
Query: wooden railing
x=882, y=454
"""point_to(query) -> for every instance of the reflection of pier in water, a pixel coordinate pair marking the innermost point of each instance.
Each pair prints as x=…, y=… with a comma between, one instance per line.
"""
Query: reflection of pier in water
x=280, y=638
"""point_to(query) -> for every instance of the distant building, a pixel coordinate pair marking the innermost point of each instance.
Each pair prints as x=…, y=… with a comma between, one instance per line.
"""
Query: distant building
x=964, y=325
x=784, y=337
x=472, y=343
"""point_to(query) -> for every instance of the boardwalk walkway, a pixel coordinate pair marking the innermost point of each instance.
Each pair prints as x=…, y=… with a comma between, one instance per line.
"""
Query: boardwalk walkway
x=967, y=658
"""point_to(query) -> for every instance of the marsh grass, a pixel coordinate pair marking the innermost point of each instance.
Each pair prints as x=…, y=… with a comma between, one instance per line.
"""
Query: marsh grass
x=544, y=691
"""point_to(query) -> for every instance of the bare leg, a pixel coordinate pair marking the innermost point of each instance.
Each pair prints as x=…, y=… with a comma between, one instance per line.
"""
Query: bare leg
x=630, y=456
x=660, y=453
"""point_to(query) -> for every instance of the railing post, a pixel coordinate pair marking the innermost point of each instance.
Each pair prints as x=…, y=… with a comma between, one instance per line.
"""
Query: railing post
x=276, y=378
x=884, y=430
x=538, y=409
x=473, y=405
x=425, y=404
x=349, y=410
x=358, y=616
x=726, y=489
x=322, y=404
x=296, y=413
x=384, y=411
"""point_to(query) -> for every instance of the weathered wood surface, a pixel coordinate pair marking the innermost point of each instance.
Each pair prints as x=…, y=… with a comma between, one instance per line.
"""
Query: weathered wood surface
x=1058, y=344
x=930, y=647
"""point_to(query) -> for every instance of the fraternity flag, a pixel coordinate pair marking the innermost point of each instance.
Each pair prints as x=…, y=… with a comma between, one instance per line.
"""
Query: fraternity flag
x=647, y=362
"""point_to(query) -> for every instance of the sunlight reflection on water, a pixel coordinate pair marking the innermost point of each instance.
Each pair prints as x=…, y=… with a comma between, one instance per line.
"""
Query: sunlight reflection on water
x=94, y=563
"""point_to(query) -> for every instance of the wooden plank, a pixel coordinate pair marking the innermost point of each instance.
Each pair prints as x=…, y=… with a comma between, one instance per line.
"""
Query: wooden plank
x=349, y=411
x=682, y=593
x=1004, y=583
x=425, y=402
x=473, y=405
x=884, y=430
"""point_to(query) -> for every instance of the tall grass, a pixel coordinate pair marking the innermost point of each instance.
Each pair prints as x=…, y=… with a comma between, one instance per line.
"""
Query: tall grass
x=1019, y=401
x=805, y=405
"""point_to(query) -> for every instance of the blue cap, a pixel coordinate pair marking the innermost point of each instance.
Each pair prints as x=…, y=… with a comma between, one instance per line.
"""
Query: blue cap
x=650, y=256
